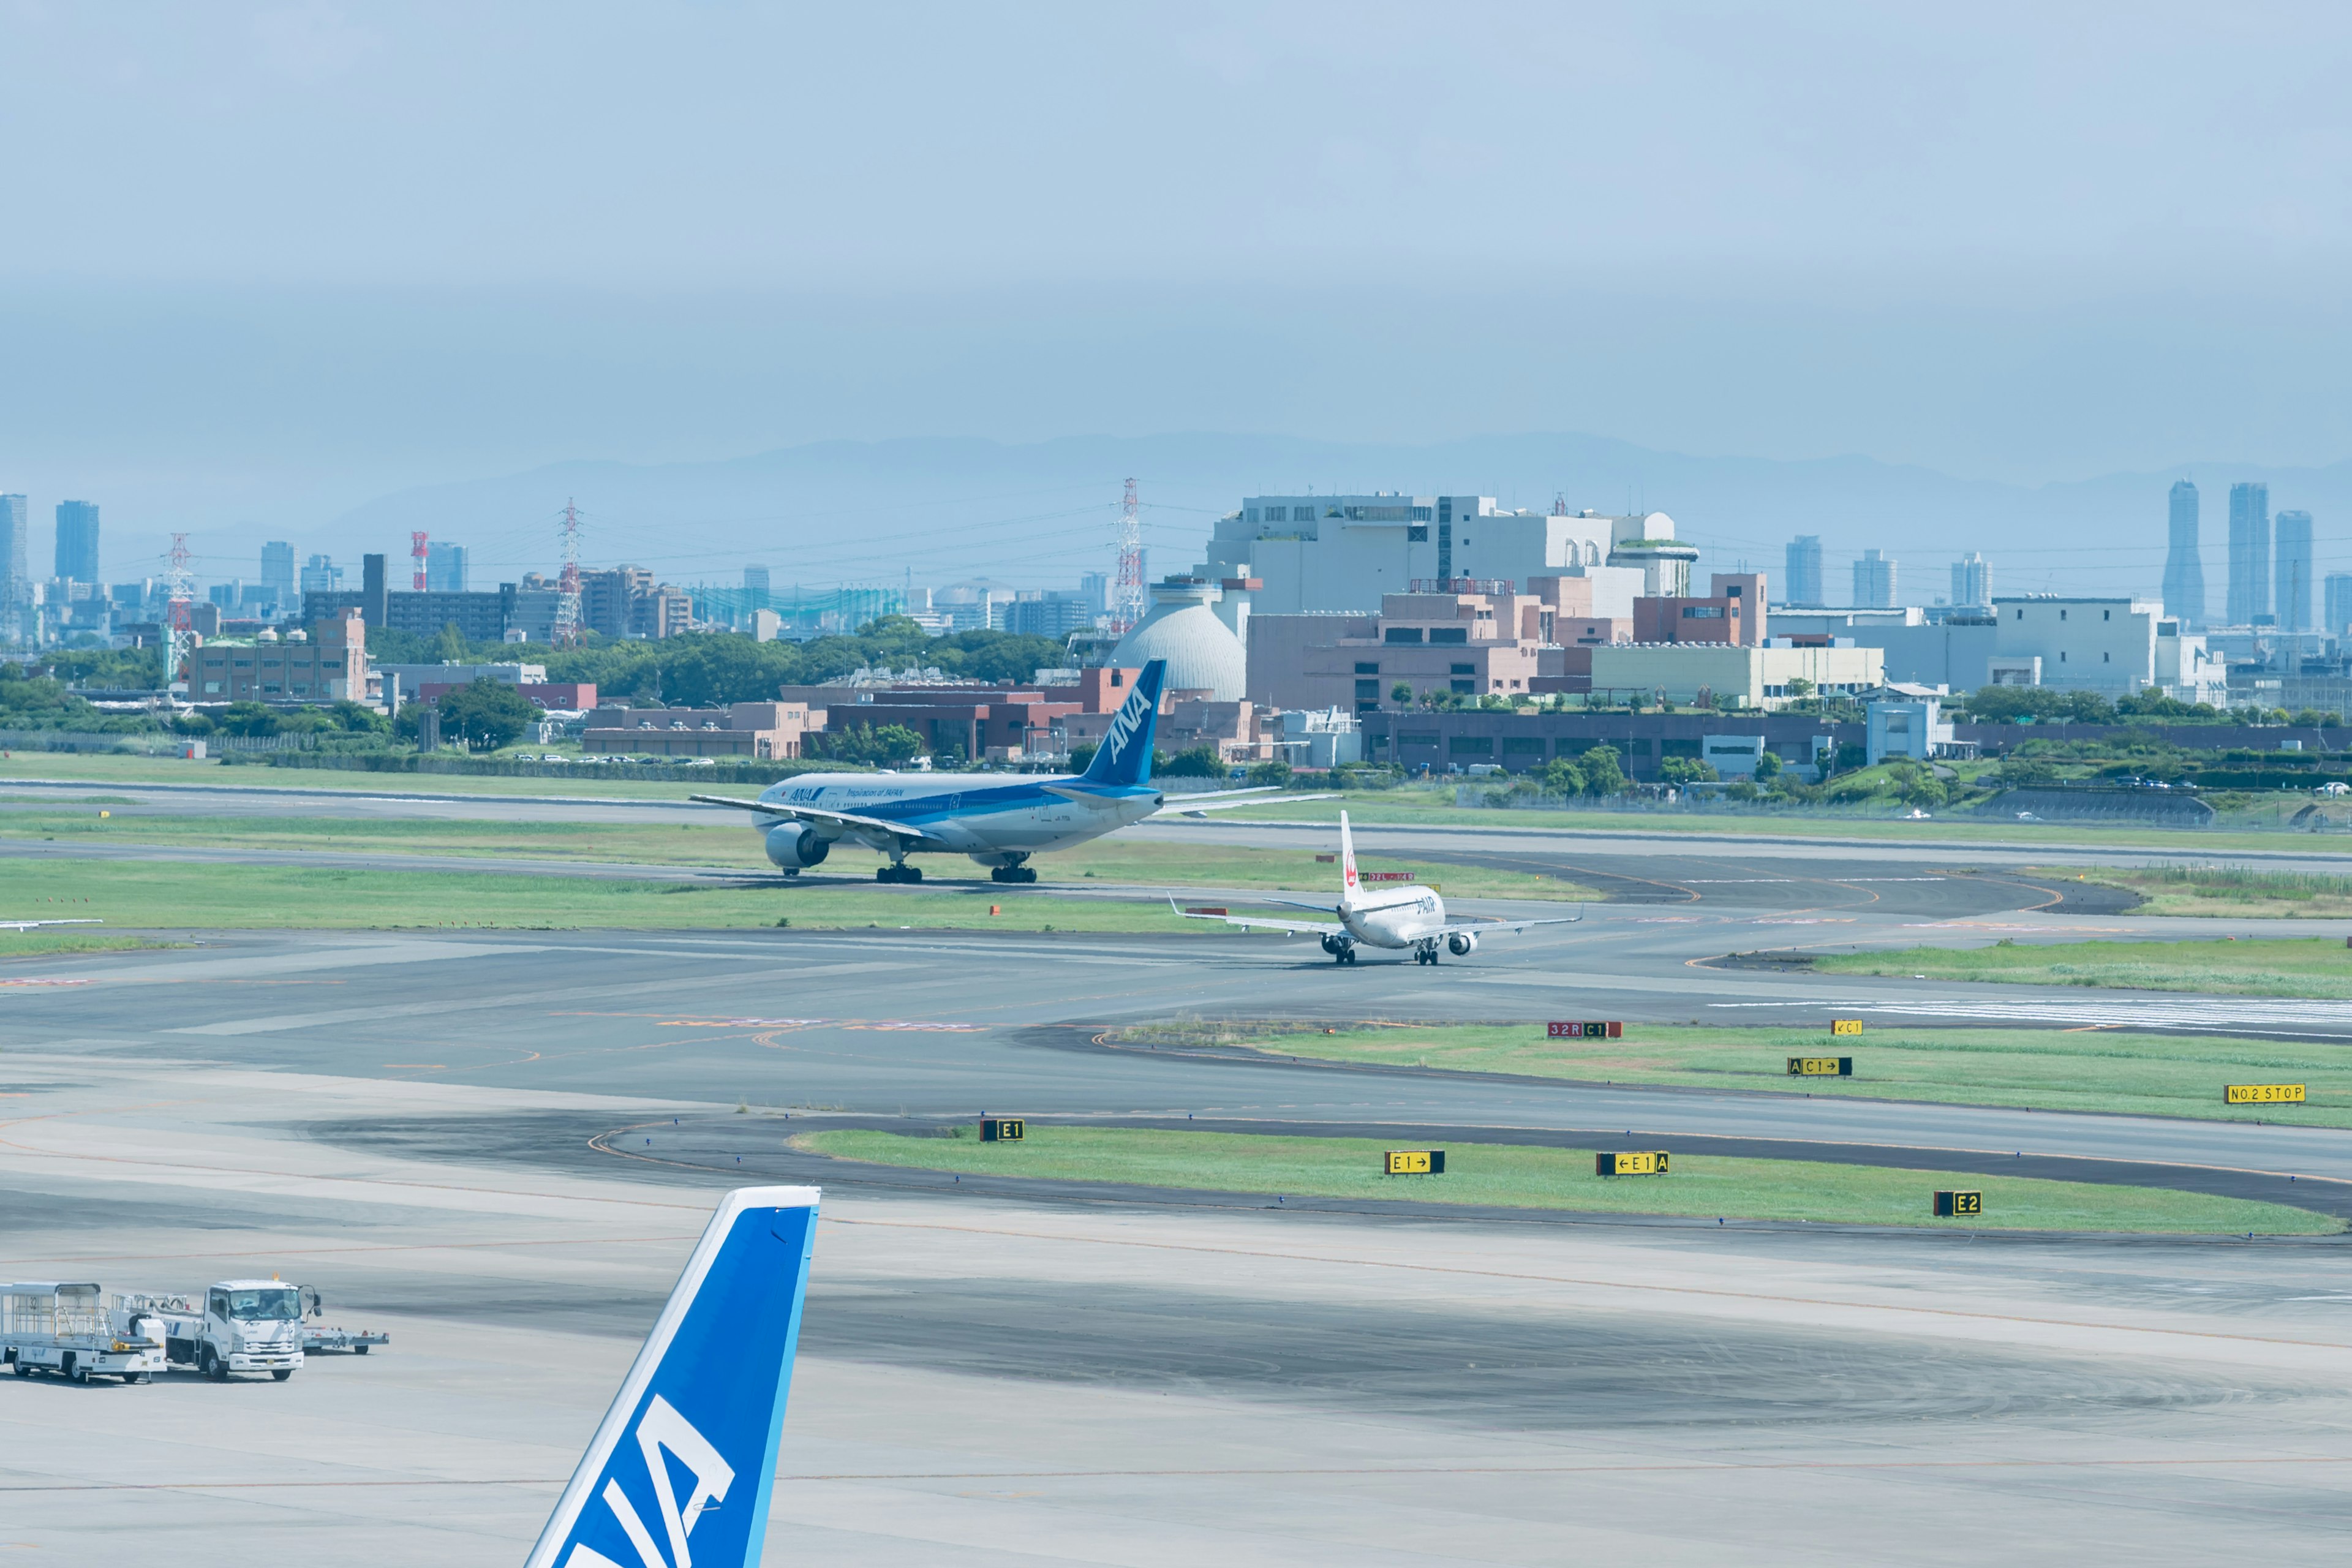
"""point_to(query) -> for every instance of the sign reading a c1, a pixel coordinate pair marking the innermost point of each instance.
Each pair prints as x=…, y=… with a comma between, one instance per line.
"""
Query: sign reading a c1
x=1820, y=1066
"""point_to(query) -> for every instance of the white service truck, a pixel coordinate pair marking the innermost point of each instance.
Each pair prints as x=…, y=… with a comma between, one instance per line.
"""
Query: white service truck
x=237, y=1325
x=65, y=1329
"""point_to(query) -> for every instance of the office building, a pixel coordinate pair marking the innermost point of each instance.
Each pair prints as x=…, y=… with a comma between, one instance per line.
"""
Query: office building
x=328, y=664
x=1729, y=676
x=444, y=567
x=1048, y=613
x=755, y=587
x=77, y=540
x=1972, y=581
x=278, y=571
x=1094, y=587
x=2111, y=646
x=1803, y=585
x=2337, y=601
x=1733, y=613
x=322, y=575
x=2250, y=555
x=2184, y=563
x=2291, y=549
x=1347, y=552
x=15, y=569
x=1873, y=582
x=229, y=595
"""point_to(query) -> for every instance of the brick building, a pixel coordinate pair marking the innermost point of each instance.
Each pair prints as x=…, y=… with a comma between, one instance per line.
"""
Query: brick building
x=771, y=730
x=328, y=664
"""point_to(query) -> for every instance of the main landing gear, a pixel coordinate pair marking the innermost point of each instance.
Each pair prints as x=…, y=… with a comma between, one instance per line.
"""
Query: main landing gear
x=1425, y=952
x=1011, y=874
x=897, y=871
x=1341, y=950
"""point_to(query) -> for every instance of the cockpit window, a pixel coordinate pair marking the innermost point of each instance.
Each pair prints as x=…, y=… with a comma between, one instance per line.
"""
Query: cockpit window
x=277, y=1302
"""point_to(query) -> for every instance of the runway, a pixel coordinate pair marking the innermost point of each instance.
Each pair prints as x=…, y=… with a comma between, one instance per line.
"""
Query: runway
x=427, y=1127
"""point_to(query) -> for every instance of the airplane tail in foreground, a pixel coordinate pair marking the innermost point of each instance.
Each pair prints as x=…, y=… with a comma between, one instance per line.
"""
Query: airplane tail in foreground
x=1125, y=756
x=679, y=1472
x=1348, y=885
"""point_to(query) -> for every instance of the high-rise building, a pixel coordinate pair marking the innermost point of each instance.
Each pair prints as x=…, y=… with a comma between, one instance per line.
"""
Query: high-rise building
x=15, y=569
x=2337, y=590
x=278, y=571
x=1972, y=581
x=77, y=540
x=1094, y=587
x=755, y=587
x=322, y=575
x=1803, y=577
x=2294, y=570
x=1873, y=582
x=2250, y=554
x=2184, y=561
x=444, y=567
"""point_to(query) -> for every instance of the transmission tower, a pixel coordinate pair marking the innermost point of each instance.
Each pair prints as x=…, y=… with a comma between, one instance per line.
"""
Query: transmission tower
x=416, y=562
x=567, y=597
x=182, y=588
x=1127, y=593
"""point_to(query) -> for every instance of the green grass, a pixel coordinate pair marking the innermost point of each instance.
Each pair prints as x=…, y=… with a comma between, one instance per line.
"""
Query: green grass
x=2041, y=1070
x=159, y=895
x=104, y=767
x=1521, y=1176
x=2233, y=891
x=47, y=943
x=727, y=841
x=2293, y=967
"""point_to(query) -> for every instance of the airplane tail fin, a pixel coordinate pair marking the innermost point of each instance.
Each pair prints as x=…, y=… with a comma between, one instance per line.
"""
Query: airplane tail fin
x=703, y=1402
x=1348, y=885
x=1125, y=757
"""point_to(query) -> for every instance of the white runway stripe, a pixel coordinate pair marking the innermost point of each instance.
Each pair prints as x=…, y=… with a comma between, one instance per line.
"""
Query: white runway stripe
x=2236, y=1016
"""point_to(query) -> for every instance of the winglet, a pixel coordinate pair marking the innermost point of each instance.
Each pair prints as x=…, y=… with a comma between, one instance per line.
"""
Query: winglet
x=1125, y=756
x=1348, y=883
x=703, y=1402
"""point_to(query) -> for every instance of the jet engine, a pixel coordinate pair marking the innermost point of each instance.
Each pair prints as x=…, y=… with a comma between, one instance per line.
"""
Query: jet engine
x=1462, y=944
x=795, y=846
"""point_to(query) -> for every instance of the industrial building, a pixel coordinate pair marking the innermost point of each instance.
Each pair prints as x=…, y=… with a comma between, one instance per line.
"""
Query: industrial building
x=755, y=730
x=326, y=664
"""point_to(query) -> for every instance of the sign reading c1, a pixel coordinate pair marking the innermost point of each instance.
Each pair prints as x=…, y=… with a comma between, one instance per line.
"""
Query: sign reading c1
x=1845, y=1026
x=1590, y=1029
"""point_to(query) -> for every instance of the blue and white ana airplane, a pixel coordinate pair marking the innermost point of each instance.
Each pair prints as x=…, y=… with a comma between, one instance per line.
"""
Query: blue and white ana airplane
x=679, y=1472
x=1000, y=825
x=1408, y=917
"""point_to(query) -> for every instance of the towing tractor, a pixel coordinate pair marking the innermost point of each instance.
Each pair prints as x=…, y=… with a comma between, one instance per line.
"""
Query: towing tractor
x=65, y=1329
x=318, y=1337
x=237, y=1325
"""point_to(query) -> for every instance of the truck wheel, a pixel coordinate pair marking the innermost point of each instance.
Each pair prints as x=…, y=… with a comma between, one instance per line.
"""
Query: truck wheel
x=24, y=1371
x=360, y=1349
x=282, y=1376
x=212, y=1367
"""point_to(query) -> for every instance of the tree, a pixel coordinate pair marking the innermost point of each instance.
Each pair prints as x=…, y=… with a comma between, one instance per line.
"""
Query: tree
x=1687, y=770
x=1800, y=687
x=486, y=714
x=1276, y=773
x=1603, y=774
x=881, y=745
x=1201, y=760
x=1561, y=776
x=248, y=720
x=451, y=644
x=1767, y=767
x=1082, y=755
x=1401, y=694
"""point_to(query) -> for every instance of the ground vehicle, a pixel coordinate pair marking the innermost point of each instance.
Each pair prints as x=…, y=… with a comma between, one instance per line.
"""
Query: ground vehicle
x=235, y=1325
x=49, y=1326
x=317, y=1337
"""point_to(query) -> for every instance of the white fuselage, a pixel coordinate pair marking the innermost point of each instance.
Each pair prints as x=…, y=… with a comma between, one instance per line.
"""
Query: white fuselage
x=970, y=813
x=1396, y=917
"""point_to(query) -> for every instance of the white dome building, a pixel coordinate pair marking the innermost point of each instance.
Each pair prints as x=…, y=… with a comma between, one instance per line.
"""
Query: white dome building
x=1196, y=623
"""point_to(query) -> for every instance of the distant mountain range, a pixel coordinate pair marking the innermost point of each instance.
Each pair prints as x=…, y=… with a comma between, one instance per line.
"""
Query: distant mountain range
x=938, y=508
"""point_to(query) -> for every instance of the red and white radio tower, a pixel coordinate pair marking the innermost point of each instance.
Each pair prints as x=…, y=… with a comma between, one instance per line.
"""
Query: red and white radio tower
x=416, y=560
x=567, y=597
x=182, y=591
x=1126, y=602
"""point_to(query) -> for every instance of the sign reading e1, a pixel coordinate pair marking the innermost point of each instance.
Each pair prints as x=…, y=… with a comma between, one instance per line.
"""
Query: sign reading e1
x=1414, y=1162
x=1633, y=1162
x=1001, y=1130
x=1591, y=1029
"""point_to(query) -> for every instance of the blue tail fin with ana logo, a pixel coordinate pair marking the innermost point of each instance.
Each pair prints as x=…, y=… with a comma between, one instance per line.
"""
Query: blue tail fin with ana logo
x=1126, y=754
x=680, y=1470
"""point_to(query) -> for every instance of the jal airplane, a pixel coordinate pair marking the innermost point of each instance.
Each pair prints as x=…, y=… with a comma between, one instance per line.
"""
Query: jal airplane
x=1409, y=917
x=681, y=1467
x=1000, y=825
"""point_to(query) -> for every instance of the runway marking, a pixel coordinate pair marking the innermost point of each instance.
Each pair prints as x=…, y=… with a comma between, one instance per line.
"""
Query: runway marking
x=2229, y=1014
x=1715, y=1293
x=48, y=981
x=806, y=1023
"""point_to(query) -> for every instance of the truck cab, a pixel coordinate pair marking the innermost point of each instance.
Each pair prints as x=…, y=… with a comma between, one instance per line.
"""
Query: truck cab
x=243, y=1325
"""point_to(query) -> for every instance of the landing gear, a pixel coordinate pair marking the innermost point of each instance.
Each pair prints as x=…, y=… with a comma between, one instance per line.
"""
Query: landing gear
x=897, y=871
x=1011, y=874
x=1425, y=953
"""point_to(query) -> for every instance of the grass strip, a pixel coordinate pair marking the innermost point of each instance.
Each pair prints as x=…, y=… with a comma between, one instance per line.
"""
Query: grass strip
x=2036, y=1070
x=1517, y=1176
x=2291, y=966
x=2239, y=893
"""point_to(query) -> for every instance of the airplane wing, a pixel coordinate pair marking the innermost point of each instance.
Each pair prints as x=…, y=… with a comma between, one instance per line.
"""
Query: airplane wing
x=833, y=819
x=1450, y=926
x=1325, y=928
x=1198, y=805
x=28, y=925
x=704, y=1403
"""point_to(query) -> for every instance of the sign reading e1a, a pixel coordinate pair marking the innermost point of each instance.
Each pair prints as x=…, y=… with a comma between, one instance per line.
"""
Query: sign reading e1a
x=1591, y=1029
x=1633, y=1162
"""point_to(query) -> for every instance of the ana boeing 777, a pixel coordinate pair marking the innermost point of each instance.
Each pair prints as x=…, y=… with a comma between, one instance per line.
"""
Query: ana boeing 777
x=998, y=821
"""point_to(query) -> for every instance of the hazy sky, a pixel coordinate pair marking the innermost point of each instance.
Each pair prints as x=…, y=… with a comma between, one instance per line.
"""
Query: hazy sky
x=266, y=262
